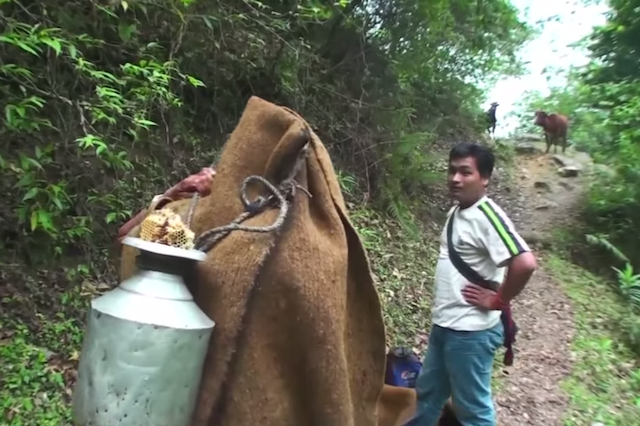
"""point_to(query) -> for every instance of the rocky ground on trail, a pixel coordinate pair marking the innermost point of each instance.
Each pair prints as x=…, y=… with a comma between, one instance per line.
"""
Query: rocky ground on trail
x=542, y=192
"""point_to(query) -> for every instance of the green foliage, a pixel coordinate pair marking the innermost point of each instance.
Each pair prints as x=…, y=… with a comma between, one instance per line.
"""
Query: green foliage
x=402, y=266
x=602, y=241
x=76, y=125
x=410, y=165
x=106, y=104
x=348, y=183
x=33, y=388
x=602, y=100
x=38, y=362
x=605, y=382
x=628, y=282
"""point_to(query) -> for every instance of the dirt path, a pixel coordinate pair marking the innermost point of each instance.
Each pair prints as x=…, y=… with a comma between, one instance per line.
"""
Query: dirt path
x=537, y=200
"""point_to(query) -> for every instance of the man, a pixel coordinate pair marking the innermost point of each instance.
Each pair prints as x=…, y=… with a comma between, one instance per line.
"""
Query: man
x=199, y=182
x=467, y=328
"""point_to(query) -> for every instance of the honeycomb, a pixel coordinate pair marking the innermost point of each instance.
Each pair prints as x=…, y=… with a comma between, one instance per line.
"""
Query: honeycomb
x=166, y=227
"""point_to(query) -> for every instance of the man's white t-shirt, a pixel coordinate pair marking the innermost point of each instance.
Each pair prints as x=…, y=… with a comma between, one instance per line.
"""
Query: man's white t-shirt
x=485, y=238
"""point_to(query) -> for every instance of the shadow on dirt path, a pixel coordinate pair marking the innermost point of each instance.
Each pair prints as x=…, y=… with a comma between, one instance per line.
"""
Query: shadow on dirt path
x=540, y=199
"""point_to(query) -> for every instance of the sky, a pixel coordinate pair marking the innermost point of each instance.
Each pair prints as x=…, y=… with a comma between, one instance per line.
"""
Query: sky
x=550, y=48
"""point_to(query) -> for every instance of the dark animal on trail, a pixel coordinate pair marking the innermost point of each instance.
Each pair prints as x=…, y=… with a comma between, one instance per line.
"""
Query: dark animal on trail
x=491, y=119
x=555, y=128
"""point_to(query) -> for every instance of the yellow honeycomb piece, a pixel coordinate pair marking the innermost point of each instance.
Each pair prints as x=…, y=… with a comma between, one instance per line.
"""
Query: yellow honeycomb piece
x=164, y=226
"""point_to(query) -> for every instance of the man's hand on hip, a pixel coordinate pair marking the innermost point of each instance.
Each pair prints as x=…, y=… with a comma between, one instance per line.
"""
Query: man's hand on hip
x=482, y=297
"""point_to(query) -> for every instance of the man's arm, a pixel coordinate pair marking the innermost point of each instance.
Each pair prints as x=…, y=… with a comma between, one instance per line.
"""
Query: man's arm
x=199, y=182
x=519, y=271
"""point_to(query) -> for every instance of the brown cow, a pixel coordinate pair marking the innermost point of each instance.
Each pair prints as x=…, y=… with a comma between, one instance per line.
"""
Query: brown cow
x=555, y=127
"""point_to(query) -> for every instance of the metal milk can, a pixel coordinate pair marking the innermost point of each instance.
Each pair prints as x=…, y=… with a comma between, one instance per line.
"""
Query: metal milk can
x=145, y=345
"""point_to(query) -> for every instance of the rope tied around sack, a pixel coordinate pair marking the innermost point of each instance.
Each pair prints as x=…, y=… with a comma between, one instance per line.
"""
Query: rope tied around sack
x=287, y=187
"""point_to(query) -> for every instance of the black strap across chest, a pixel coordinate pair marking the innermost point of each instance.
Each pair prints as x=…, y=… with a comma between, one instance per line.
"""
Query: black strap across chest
x=465, y=270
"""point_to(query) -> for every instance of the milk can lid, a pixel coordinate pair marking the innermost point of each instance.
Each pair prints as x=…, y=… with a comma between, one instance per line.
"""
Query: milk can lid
x=164, y=249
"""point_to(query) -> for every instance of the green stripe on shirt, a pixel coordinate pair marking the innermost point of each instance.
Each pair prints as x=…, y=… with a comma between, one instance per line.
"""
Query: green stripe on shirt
x=511, y=244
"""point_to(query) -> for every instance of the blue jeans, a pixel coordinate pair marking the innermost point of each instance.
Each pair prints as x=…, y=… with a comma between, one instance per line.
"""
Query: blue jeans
x=458, y=364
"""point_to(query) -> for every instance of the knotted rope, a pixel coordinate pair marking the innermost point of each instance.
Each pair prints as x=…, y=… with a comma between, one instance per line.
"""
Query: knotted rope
x=279, y=195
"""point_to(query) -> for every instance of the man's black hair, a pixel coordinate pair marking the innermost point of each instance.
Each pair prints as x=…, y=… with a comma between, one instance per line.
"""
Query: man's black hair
x=483, y=156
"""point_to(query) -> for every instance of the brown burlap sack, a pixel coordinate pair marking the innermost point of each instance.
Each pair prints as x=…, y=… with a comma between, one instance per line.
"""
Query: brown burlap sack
x=299, y=338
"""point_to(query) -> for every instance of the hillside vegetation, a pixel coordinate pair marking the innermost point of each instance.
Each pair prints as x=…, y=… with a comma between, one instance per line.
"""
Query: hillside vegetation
x=107, y=103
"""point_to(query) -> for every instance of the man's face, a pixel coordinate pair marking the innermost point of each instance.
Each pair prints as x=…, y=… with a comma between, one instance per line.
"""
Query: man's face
x=465, y=183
